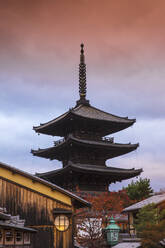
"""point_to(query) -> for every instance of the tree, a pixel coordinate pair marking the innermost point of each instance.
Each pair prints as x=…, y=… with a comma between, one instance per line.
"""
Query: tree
x=139, y=190
x=150, y=225
x=153, y=235
x=89, y=230
x=147, y=215
x=104, y=205
x=109, y=201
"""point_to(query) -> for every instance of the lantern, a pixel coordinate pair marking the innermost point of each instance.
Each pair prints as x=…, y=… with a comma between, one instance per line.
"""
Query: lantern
x=61, y=222
x=112, y=233
x=62, y=219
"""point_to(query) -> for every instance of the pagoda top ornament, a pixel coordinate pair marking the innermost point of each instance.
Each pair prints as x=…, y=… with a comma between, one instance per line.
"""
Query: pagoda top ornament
x=82, y=79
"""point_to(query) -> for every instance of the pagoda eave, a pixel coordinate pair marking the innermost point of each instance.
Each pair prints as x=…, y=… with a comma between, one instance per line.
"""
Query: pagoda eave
x=109, y=149
x=80, y=115
x=107, y=174
x=97, y=170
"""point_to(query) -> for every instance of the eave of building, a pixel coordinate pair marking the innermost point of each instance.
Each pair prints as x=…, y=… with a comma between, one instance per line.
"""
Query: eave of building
x=108, y=147
x=40, y=185
x=4, y=216
x=155, y=199
x=17, y=227
x=87, y=113
x=92, y=169
x=102, y=143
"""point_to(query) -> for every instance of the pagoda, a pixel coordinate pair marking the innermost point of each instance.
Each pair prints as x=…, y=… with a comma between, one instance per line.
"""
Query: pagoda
x=84, y=147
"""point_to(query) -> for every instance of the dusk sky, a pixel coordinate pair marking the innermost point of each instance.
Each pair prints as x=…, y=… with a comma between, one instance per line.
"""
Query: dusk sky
x=125, y=56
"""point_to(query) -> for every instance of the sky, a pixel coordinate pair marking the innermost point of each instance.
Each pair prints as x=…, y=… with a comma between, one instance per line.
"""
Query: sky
x=125, y=56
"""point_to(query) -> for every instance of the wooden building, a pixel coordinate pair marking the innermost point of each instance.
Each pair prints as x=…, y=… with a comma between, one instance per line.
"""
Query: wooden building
x=13, y=232
x=85, y=148
x=45, y=207
x=158, y=200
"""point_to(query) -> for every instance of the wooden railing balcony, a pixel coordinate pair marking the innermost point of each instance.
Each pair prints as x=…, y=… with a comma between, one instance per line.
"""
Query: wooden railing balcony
x=58, y=142
x=86, y=137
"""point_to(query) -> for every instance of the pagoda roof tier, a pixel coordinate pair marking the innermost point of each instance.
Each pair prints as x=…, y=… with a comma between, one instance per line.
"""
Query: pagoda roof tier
x=86, y=118
x=62, y=149
x=111, y=173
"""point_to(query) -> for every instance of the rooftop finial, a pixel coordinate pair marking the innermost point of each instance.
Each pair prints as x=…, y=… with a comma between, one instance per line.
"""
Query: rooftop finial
x=82, y=74
x=82, y=57
x=82, y=78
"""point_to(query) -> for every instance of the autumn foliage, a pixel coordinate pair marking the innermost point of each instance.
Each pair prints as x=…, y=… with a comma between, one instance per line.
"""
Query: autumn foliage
x=109, y=201
x=104, y=205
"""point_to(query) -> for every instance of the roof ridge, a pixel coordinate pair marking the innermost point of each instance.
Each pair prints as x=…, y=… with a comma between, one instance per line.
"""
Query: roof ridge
x=126, y=118
x=70, y=136
x=101, y=166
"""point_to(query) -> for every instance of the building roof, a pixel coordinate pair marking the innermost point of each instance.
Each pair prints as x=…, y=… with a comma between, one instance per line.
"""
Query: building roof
x=156, y=199
x=116, y=173
x=97, y=114
x=23, y=228
x=4, y=216
x=110, y=149
x=113, y=123
x=78, y=200
x=9, y=221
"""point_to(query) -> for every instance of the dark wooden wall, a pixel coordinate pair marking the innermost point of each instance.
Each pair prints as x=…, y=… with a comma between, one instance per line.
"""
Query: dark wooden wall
x=37, y=210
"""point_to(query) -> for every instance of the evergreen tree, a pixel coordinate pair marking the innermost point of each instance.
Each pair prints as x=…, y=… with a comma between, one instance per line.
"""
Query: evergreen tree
x=139, y=190
x=146, y=216
x=150, y=225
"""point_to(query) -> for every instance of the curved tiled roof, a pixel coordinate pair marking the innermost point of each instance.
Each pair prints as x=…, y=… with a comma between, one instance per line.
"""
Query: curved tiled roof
x=94, y=113
x=103, y=143
x=156, y=199
x=87, y=112
x=94, y=169
x=116, y=148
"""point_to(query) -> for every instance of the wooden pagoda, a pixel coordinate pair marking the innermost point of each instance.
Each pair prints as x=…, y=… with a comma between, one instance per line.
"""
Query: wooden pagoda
x=84, y=149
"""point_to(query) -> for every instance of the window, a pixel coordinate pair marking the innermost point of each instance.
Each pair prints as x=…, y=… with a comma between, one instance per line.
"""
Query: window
x=61, y=222
x=9, y=237
x=1, y=236
x=18, y=237
x=26, y=238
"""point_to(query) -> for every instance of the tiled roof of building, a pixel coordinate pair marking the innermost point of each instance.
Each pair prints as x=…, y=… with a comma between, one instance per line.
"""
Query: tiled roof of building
x=4, y=215
x=94, y=169
x=113, y=149
x=89, y=112
x=156, y=199
x=94, y=113
x=9, y=221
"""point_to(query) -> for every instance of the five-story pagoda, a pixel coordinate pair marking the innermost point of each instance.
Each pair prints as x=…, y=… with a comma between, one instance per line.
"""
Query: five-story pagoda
x=84, y=148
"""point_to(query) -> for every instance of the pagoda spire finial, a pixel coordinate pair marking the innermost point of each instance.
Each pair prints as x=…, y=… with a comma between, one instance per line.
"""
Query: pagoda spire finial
x=82, y=74
x=82, y=78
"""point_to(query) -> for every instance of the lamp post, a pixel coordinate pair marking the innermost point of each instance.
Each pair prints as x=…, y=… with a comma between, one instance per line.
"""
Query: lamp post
x=112, y=233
